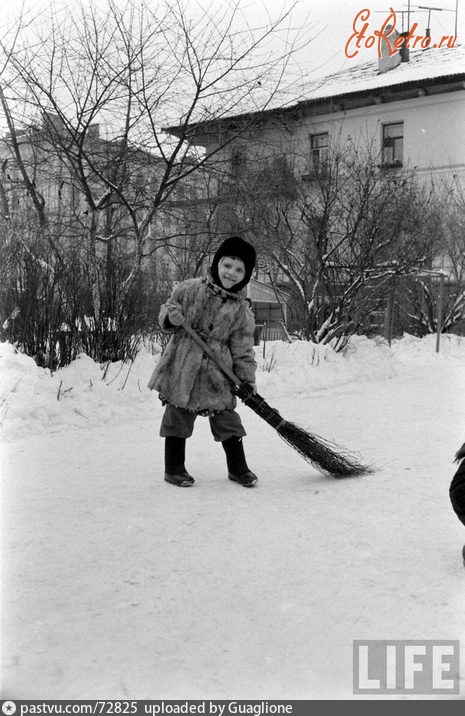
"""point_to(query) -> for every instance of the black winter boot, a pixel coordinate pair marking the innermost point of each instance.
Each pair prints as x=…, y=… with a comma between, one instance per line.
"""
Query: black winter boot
x=238, y=470
x=175, y=472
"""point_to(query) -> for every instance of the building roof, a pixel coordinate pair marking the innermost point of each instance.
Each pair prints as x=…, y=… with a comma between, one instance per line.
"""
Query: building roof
x=423, y=65
x=363, y=83
x=261, y=292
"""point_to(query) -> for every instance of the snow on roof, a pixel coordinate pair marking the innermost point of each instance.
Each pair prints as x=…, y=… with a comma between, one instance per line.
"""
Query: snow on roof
x=423, y=65
x=430, y=64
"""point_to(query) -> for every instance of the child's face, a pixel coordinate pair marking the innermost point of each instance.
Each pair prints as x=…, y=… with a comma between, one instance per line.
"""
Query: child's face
x=230, y=271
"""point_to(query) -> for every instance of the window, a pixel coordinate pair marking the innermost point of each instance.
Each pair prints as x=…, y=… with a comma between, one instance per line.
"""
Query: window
x=319, y=144
x=393, y=144
x=238, y=162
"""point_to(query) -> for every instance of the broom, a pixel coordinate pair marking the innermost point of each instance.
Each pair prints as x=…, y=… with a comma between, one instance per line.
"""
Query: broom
x=329, y=458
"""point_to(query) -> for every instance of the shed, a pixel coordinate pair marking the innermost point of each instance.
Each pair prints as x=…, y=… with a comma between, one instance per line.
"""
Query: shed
x=269, y=305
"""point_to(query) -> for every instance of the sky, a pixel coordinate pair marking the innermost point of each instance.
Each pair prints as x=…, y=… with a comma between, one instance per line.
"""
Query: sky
x=331, y=23
x=335, y=19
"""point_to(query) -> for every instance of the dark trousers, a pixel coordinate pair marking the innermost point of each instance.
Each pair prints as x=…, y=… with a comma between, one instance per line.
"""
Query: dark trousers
x=457, y=492
x=179, y=423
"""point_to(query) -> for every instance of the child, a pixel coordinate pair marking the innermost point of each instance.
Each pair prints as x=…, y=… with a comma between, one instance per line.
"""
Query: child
x=189, y=382
x=457, y=490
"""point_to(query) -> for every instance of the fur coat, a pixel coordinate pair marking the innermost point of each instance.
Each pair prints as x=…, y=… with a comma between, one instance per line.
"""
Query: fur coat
x=184, y=375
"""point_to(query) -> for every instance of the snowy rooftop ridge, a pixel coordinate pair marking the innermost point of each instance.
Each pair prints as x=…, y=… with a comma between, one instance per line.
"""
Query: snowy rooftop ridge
x=356, y=78
x=430, y=64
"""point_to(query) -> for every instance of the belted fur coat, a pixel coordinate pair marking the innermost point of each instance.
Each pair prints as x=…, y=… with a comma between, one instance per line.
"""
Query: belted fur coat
x=184, y=375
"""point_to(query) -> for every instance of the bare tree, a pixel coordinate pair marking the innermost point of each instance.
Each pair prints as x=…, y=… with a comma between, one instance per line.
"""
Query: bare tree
x=88, y=93
x=134, y=71
x=423, y=308
x=431, y=298
x=340, y=237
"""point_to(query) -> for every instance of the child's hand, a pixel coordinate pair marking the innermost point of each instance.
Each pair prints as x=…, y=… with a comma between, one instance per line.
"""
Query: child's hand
x=245, y=390
x=175, y=317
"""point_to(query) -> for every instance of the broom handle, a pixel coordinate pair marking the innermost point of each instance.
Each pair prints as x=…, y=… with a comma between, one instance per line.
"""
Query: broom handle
x=206, y=348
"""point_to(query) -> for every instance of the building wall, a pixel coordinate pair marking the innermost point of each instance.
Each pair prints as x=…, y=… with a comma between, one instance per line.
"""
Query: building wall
x=433, y=135
x=433, y=130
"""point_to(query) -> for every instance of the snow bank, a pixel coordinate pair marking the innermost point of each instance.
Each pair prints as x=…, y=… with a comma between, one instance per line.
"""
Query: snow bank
x=87, y=394
x=84, y=394
x=303, y=367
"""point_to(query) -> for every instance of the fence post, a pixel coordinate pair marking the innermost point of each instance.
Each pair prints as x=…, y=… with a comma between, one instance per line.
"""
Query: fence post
x=389, y=317
x=440, y=311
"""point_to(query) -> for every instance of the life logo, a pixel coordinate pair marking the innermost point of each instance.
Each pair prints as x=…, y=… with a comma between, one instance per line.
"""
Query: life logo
x=406, y=667
x=8, y=708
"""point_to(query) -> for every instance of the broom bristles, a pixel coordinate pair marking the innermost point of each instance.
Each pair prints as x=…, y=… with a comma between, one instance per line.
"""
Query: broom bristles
x=329, y=458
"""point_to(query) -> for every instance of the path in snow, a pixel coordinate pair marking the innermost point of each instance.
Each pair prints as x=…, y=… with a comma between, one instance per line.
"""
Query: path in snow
x=117, y=585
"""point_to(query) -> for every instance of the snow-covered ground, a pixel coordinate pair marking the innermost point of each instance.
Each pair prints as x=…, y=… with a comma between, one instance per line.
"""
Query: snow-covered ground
x=118, y=585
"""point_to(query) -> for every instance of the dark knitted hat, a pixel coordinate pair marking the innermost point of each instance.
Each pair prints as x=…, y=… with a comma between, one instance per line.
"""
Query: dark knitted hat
x=237, y=247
